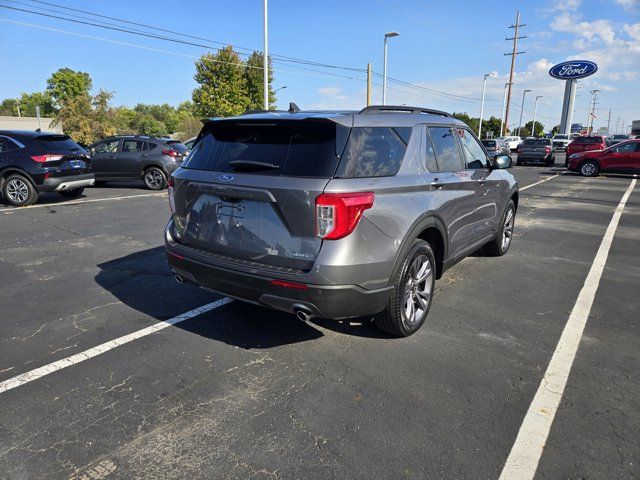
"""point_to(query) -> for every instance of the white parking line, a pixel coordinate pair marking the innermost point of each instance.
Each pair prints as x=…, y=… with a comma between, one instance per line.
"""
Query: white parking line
x=105, y=347
x=541, y=181
x=78, y=202
x=530, y=442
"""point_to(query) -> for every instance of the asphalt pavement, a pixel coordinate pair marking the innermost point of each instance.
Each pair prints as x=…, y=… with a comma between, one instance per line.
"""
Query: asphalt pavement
x=236, y=391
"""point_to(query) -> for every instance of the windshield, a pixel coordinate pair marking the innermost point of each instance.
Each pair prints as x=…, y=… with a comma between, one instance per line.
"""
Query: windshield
x=59, y=144
x=561, y=137
x=536, y=141
x=588, y=140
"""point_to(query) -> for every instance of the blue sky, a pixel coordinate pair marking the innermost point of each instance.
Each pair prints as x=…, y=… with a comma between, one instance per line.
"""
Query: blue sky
x=444, y=46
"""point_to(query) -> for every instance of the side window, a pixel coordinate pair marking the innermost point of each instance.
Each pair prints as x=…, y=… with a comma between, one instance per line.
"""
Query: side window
x=106, y=147
x=132, y=146
x=149, y=146
x=474, y=154
x=446, y=149
x=374, y=151
x=3, y=145
x=625, y=148
x=432, y=166
x=7, y=144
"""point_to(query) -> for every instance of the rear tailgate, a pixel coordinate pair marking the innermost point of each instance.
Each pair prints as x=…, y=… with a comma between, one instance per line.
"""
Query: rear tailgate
x=61, y=156
x=247, y=191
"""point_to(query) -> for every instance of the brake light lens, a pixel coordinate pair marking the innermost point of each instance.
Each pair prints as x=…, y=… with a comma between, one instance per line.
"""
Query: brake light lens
x=46, y=158
x=170, y=192
x=170, y=151
x=547, y=150
x=338, y=214
x=294, y=285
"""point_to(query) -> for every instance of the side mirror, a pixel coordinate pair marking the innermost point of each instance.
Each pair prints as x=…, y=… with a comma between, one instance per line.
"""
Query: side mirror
x=502, y=161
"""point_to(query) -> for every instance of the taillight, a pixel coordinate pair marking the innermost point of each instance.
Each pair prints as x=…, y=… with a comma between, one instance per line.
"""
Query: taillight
x=170, y=192
x=46, y=158
x=547, y=150
x=285, y=284
x=170, y=151
x=338, y=214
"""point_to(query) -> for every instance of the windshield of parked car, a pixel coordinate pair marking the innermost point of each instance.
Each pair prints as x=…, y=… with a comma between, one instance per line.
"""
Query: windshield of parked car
x=536, y=141
x=489, y=143
x=588, y=140
x=59, y=144
x=561, y=137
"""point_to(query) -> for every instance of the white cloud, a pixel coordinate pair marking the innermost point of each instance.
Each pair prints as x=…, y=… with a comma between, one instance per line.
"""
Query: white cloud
x=587, y=33
x=569, y=5
x=628, y=4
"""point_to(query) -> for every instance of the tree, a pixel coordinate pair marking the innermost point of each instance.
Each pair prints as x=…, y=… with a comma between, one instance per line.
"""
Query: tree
x=9, y=107
x=470, y=121
x=254, y=76
x=87, y=118
x=526, y=130
x=189, y=127
x=29, y=101
x=223, y=87
x=555, y=130
x=67, y=84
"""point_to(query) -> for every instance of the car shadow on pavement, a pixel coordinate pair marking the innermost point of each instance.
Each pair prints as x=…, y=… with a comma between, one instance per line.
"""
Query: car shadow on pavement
x=144, y=282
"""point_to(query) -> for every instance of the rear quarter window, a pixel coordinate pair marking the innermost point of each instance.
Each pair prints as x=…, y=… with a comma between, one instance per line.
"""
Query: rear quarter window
x=58, y=143
x=374, y=152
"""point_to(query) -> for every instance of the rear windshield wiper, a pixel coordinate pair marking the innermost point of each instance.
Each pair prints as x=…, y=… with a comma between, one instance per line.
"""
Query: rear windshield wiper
x=252, y=165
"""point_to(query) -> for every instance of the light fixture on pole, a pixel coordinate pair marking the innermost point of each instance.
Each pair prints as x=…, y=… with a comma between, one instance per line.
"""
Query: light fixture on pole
x=484, y=85
x=278, y=89
x=522, y=110
x=384, y=66
x=504, y=106
x=535, y=109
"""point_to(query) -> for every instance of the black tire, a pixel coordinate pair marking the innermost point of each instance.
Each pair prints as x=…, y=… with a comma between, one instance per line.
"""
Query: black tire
x=589, y=169
x=498, y=246
x=19, y=191
x=154, y=178
x=75, y=193
x=519, y=163
x=551, y=162
x=393, y=319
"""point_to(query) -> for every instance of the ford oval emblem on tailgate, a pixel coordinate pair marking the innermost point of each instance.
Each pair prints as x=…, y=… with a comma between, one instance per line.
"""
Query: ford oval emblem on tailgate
x=225, y=178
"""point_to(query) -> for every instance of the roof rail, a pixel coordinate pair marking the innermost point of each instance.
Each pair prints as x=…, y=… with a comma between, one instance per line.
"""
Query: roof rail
x=402, y=108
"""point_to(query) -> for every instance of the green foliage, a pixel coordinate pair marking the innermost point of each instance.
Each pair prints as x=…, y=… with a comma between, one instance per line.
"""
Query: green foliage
x=189, y=128
x=254, y=78
x=488, y=125
x=555, y=130
x=29, y=101
x=9, y=108
x=66, y=84
x=223, y=87
x=87, y=118
x=527, y=128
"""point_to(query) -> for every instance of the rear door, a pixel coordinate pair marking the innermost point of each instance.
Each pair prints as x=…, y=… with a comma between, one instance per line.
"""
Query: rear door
x=129, y=159
x=247, y=191
x=103, y=158
x=620, y=157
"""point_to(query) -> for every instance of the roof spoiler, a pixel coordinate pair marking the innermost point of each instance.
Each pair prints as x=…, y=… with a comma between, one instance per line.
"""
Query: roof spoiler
x=402, y=109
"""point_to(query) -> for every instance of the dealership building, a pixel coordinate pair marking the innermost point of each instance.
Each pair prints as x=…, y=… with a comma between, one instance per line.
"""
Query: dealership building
x=29, y=123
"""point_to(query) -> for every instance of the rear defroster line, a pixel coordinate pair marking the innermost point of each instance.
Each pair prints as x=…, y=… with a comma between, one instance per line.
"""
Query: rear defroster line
x=105, y=347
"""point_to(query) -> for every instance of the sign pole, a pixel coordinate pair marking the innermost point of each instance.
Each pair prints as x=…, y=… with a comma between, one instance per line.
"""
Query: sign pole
x=567, y=106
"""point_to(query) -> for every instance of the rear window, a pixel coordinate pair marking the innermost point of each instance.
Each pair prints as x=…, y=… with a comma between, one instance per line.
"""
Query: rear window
x=588, y=140
x=58, y=143
x=177, y=146
x=537, y=141
x=290, y=148
x=489, y=143
x=374, y=152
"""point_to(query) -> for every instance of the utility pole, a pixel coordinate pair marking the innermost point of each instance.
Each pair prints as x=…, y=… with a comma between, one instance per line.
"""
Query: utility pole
x=368, y=84
x=592, y=113
x=513, y=54
x=608, y=121
x=265, y=60
x=618, y=125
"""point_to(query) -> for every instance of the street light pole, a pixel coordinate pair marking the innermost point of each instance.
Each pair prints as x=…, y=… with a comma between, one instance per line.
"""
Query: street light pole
x=504, y=106
x=384, y=66
x=484, y=85
x=535, y=109
x=265, y=60
x=521, y=110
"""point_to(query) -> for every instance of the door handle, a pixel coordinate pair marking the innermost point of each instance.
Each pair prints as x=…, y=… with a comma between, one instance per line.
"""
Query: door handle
x=482, y=181
x=144, y=155
x=112, y=157
x=436, y=184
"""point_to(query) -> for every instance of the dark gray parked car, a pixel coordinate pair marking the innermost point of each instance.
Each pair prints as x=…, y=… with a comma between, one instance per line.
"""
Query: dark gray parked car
x=136, y=157
x=537, y=150
x=496, y=147
x=339, y=214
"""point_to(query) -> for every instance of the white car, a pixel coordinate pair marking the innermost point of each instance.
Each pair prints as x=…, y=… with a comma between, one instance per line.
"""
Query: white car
x=512, y=142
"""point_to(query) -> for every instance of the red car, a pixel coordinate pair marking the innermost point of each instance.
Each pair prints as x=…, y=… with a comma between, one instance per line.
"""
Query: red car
x=622, y=157
x=583, y=144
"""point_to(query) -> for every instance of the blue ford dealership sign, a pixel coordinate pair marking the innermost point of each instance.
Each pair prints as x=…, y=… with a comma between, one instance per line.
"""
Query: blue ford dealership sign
x=573, y=70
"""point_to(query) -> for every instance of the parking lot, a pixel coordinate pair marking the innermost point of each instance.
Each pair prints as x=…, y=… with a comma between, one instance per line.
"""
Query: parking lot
x=229, y=390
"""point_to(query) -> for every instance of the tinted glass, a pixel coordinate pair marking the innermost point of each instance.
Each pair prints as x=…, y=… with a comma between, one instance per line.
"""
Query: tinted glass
x=588, y=140
x=295, y=148
x=7, y=144
x=177, y=146
x=625, y=147
x=58, y=143
x=474, y=154
x=533, y=142
x=106, y=147
x=132, y=146
x=374, y=152
x=489, y=143
x=432, y=165
x=444, y=144
x=561, y=137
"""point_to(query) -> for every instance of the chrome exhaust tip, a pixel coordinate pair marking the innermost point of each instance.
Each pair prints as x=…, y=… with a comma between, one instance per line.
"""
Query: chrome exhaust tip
x=179, y=279
x=303, y=314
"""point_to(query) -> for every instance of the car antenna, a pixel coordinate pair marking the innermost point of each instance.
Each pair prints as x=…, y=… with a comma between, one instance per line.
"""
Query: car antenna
x=293, y=108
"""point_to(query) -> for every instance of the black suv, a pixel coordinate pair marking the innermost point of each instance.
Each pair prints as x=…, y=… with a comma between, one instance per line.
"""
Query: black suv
x=136, y=157
x=337, y=214
x=36, y=162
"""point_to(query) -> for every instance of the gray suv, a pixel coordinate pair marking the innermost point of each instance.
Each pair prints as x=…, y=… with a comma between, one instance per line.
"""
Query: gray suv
x=129, y=157
x=337, y=214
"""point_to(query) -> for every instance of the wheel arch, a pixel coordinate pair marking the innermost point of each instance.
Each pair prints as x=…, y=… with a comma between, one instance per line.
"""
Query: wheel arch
x=6, y=172
x=148, y=165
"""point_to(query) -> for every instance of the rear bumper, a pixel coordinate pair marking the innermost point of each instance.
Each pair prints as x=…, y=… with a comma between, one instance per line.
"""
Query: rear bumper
x=255, y=286
x=58, y=184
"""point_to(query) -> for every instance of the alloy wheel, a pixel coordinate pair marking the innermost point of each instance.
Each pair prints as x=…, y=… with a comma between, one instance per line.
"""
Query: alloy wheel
x=417, y=290
x=507, y=230
x=588, y=169
x=17, y=190
x=153, y=178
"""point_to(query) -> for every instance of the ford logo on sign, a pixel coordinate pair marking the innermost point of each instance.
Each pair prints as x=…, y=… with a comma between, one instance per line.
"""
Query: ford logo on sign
x=573, y=70
x=225, y=178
